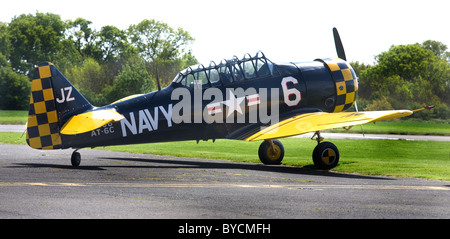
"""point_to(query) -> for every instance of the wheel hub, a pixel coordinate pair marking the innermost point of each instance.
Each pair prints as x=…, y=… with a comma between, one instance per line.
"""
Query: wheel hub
x=328, y=156
x=273, y=152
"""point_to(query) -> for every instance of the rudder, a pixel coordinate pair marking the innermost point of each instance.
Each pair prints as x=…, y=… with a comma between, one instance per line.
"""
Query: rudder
x=53, y=101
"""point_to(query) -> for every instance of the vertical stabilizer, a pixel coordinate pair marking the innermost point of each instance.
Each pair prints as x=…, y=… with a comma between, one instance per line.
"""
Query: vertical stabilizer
x=53, y=101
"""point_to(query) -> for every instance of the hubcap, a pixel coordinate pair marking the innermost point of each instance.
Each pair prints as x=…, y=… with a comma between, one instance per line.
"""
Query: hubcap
x=273, y=152
x=328, y=156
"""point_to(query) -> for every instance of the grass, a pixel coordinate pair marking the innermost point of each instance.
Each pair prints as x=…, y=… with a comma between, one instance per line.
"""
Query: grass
x=401, y=127
x=383, y=127
x=13, y=116
x=12, y=138
x=401, y=158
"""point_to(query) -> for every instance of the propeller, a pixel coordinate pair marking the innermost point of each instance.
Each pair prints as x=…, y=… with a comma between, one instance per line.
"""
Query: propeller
x=341, y=54
x=339, y=47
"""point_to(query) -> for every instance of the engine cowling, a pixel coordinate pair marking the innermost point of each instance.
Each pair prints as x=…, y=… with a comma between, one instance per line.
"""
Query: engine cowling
x=331, y=84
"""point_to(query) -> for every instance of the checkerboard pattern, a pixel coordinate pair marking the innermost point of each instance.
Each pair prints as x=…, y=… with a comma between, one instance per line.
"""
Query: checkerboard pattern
x=346, y=83
x=42, y=125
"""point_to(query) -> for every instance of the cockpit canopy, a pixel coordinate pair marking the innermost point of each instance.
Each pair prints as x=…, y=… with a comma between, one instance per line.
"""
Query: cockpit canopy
x=226, y=72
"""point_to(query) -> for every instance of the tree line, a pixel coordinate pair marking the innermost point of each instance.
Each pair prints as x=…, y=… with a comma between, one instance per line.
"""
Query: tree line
x=110, y=63
x=105, y=65
x=407, y=77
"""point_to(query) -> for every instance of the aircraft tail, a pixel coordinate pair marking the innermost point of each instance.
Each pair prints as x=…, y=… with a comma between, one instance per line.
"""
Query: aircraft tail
x=53, y=101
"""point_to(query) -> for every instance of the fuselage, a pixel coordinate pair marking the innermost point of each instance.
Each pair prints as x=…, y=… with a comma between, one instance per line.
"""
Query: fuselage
x=230, y=100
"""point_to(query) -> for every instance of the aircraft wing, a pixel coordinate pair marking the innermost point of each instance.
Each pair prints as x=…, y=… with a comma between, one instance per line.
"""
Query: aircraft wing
x=317, y=121
x=89, y=121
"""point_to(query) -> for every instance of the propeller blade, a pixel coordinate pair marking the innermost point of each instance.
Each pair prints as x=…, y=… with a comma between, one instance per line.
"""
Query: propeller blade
x=339, y=47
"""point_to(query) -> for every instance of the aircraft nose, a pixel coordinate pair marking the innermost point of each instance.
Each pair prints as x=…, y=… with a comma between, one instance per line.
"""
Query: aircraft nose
x=346, y=82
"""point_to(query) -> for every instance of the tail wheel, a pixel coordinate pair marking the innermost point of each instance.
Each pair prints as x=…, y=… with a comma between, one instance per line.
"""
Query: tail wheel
x=325, y=155
x=75, y=159
x=271, y=152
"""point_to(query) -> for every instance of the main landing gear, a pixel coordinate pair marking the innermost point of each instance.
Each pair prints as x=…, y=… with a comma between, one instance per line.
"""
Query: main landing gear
x=271, y=152
x=325, y=154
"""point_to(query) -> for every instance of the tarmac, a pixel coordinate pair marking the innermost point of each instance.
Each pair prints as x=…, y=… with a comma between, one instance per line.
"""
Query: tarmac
x=43, y=184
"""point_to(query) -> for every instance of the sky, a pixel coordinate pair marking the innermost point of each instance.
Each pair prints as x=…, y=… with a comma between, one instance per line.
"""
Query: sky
x=285, y=30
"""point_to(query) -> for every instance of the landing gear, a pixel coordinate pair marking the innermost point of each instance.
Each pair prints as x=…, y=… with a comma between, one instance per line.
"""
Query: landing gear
x=271, y=152
x=75, y=159
x=325, y=154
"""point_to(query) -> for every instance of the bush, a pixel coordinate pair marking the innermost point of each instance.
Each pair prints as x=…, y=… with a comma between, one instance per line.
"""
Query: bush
x=379, y=104
x=133, y=79
x=15, y=90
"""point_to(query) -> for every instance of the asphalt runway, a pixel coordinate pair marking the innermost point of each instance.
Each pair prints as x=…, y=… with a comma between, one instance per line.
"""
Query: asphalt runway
x=43, y=184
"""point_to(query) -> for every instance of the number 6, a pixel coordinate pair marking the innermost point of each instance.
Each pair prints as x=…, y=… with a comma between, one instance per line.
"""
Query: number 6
x=287, y=92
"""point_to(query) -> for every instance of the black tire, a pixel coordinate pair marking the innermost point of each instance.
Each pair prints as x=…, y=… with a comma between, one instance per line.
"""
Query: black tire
x=325, y=155
x=75, y=159
x=271, y=155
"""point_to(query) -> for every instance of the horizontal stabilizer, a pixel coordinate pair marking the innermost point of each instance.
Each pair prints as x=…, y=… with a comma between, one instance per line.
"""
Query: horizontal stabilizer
x=317, y=121
x=89, y=121
x=127, y=98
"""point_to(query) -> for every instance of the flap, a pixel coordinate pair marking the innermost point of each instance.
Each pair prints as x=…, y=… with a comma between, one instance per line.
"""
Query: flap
x=317, y=121
x=89, y=121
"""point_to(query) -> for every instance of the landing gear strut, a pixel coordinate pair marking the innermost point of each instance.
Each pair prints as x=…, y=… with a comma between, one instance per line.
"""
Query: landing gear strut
x=325, y=154
x=75, y=159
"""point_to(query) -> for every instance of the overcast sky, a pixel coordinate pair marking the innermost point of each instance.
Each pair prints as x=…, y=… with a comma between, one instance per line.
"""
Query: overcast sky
x=285, y=30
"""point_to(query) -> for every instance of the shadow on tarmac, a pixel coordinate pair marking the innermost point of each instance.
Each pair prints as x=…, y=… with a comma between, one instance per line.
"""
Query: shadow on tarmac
x=205, y=164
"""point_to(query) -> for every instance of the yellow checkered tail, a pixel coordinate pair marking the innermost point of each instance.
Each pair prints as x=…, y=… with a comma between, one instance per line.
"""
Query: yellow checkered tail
x=53, y=101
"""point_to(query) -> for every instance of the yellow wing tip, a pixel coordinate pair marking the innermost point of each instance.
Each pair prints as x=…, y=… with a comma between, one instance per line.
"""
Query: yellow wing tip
x=424, y=108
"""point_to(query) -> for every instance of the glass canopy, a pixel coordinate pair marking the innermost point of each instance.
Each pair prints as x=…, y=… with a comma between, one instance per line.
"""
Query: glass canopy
x=226, y=72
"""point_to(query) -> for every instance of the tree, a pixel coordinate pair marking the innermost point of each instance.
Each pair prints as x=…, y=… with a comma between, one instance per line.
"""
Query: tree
x=158, y=43
x=5, y=45
x=359, y=68
x=438, y=48
x=14, y=90
x=95, y=61
x=133, y=79
x=89, y=78
x=34, y=39
x=83, y=38
x=113, y=43
x=407, y=76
